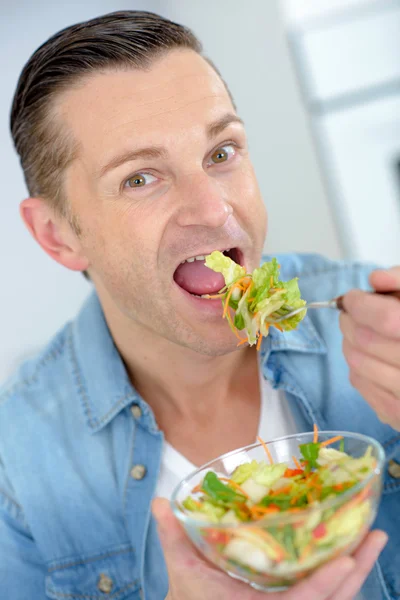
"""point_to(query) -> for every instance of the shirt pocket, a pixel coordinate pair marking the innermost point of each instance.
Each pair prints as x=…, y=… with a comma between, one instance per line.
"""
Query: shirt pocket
x=110, y=575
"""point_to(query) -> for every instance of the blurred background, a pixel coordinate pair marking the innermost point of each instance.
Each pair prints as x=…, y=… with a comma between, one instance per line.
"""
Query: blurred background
x=317, y=83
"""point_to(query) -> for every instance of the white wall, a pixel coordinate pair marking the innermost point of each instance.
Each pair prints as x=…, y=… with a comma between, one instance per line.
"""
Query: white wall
x=249, y=47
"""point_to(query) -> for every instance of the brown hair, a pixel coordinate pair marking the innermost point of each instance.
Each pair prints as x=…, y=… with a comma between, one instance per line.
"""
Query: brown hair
x=117, y=40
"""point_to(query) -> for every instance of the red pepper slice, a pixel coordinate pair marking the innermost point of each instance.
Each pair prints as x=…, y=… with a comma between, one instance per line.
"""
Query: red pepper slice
x=293, y=472
x=320, y=531
x=217, y=537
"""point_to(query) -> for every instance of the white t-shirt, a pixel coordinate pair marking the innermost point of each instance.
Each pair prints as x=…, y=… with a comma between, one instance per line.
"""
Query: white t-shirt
x=276, y=420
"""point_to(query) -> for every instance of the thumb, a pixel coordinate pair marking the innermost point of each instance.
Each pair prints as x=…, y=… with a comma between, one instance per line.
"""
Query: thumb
x=176, y=545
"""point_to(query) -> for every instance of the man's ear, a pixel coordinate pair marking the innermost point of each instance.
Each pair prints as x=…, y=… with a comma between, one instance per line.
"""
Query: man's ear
x=53, y=234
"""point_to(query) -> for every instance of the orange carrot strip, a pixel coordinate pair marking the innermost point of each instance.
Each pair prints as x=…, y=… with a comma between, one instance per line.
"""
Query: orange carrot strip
x=229, y=318
x=296, y=462
x=242, y=341
x=279, y=327
x=268, y=453
x=315, y=439
x=226, y=307
x=331, y=441
x=283, y=490
x=234, y=485
x=264, y=510
x=259, y=341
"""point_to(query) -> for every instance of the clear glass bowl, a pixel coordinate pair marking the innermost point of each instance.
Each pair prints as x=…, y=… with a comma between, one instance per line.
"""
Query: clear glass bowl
x=348, y=515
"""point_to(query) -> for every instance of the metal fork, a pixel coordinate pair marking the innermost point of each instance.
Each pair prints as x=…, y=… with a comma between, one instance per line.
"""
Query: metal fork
x=336, y=303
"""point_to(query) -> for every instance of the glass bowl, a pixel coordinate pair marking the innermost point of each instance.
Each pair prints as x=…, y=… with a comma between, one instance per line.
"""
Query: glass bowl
x=265, y=563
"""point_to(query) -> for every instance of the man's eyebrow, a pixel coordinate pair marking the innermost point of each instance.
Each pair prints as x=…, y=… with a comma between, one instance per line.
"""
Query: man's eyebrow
x=120, y=159
x=152, y=152
x=213, y=129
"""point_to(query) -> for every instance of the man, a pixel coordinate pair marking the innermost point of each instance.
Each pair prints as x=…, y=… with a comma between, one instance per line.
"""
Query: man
x=135, y=161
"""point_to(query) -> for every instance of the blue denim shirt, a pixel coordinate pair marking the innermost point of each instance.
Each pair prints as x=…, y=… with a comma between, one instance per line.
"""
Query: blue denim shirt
x=75, y=523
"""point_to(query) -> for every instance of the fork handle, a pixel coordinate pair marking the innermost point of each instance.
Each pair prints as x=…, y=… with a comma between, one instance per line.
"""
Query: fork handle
x=394, y=294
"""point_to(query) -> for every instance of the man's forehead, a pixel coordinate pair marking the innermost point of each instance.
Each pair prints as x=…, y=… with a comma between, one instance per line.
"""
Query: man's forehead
x=180, y=89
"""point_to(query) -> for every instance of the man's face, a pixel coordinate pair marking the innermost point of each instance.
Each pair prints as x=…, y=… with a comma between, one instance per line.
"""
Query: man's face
x=163, y=175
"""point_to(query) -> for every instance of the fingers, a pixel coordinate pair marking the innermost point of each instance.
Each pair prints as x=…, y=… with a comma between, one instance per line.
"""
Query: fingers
x=385, y=281
x=323, y=583
x=384, y=403
x=379, y=313
x=178, y=550
x=373, y=370
x=370, y=342
x=365, y=558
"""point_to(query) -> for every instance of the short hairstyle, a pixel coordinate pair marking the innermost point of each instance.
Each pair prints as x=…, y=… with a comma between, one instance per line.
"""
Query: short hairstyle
x=124, y=39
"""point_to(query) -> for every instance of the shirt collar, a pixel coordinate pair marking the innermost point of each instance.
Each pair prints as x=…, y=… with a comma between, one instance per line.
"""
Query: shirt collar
x=303, y=339
x=100, y=377
x=102, y=382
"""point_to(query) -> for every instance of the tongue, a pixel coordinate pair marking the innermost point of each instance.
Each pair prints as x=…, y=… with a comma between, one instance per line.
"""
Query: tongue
x=196, y=278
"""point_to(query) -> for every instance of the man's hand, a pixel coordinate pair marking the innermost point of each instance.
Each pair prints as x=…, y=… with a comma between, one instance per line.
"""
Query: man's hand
x=192, y=578
x=371, y=329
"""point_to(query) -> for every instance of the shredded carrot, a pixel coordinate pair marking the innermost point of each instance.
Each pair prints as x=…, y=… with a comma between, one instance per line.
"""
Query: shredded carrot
x=234, y=485
x=229, y=318
x=283, y=490
x=296, y=462
x=310, y=498
x=331, y=441
x=261, y=511
x=279, y=327
x=196, y=489
x=226, y=307
x=306, y=552
x=259, y=341
x=315, y=439
x=268, y=453
x=242, y=341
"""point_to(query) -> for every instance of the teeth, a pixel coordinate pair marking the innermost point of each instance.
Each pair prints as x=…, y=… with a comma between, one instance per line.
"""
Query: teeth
x=200, y=257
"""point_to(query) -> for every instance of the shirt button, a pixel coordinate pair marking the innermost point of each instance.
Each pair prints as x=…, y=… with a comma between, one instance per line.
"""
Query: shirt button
x=136, y=411
x=394, y=469
x=105, y=583
x=138, y=472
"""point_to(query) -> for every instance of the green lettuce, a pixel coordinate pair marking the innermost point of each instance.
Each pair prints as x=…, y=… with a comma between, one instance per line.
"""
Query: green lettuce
x=269, y=474
x=266, y=299
x=220, y=263
x=243, y=472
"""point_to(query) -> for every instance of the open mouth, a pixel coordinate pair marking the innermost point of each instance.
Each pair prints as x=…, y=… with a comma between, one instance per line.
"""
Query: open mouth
x=194, y=277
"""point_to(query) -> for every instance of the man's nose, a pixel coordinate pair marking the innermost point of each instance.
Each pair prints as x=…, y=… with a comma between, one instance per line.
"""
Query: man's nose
x=203, y=202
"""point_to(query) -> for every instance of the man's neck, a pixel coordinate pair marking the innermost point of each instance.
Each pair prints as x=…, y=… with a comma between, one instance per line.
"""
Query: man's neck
x=186, y=388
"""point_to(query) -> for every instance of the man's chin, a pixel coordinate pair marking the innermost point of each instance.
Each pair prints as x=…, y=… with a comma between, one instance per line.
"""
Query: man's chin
x=213, y=343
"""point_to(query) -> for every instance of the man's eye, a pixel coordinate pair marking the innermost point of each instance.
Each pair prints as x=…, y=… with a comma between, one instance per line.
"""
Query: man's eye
x=139, y=180
x=223, y=154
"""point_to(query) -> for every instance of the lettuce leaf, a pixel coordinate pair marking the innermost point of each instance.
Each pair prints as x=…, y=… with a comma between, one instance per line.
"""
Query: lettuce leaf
x=266, y=299
x=220, y=263
x=243, y=472
x=268, y=474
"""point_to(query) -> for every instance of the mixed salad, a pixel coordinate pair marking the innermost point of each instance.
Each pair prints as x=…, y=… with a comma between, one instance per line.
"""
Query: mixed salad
x=257, y=298
x=258, y=491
